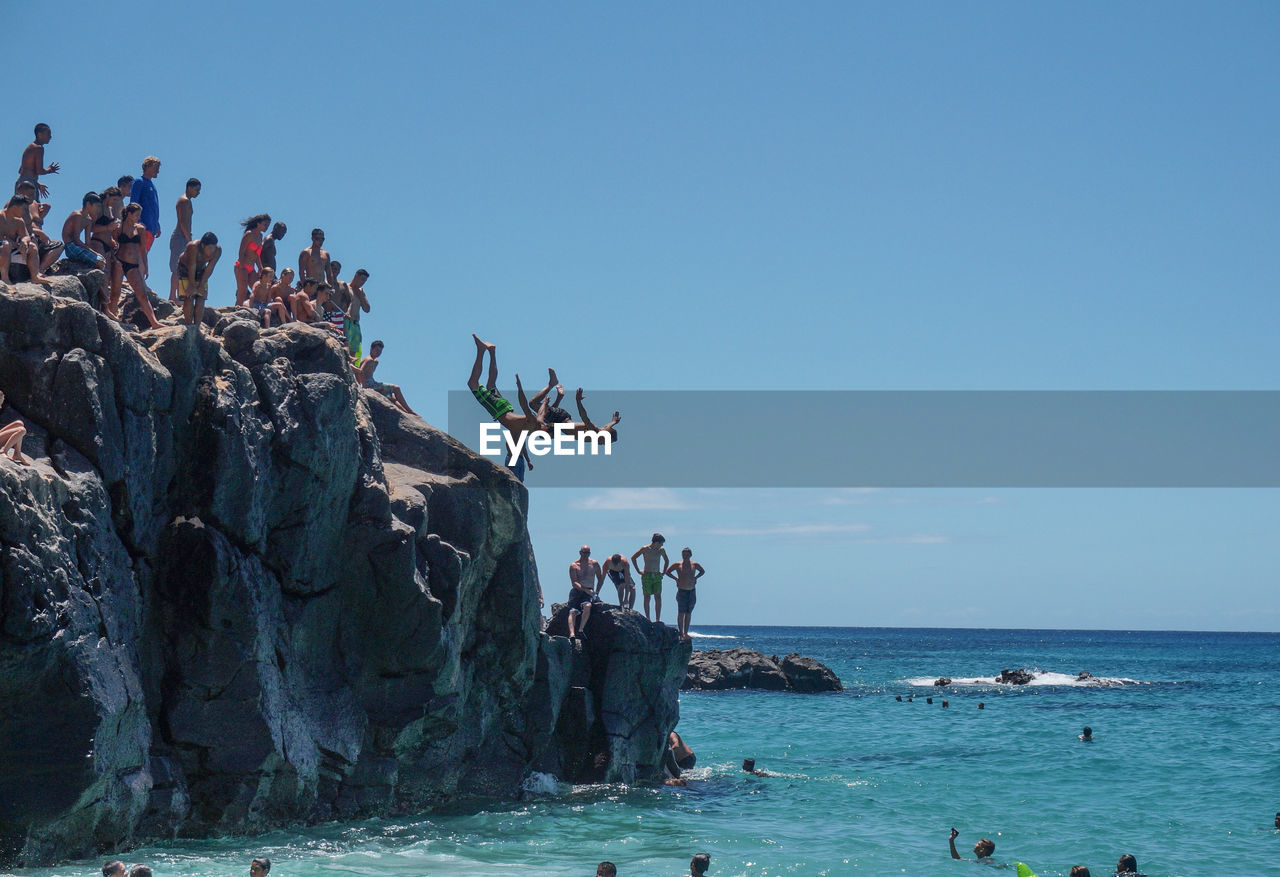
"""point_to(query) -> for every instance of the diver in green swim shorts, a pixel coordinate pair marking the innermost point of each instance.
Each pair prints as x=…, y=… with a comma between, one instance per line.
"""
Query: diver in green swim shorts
x=655, y=567
x=534, y=414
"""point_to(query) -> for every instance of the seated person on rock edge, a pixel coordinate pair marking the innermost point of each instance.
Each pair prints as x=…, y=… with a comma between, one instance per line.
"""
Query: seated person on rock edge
x=16, y=244
x=364, y=377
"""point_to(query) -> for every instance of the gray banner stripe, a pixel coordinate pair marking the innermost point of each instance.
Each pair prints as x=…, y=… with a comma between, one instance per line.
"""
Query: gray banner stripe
x=918, y=439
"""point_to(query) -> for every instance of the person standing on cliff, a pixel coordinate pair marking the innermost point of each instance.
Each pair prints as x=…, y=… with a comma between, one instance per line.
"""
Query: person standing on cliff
x=313, y=262
x=686, y=573
x=585, y=576
x=193, y=270
x=181, y=234
x=351, y=323
x=144, y=193
x=268, y=254
x=32, y=168
x=618, y=569
x=655, y=567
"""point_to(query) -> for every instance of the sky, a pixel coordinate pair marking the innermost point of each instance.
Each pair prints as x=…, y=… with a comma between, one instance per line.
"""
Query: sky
x=752, y=196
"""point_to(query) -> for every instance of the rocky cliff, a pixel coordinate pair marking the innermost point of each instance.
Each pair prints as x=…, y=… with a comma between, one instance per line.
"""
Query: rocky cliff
x=236, y=592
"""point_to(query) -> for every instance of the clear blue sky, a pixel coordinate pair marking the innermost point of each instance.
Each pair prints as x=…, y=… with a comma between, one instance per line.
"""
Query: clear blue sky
x=761, y=196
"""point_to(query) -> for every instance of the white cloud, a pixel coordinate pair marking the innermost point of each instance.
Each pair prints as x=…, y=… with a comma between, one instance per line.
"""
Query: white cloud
x=789, y=530
x=638, y=499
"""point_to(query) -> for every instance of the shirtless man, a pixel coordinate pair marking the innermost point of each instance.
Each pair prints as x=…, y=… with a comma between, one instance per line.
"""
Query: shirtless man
x=359, y=302
x=364, y=377
x=268, y=255
x=15, y=239
x=32, y=168
x=586, y=577
x=304, y=311
x=686, y=573
x=339, y=290
x=125, y=185
x=196, y=263
x=618, y=569
x=36, y=212
x=264, y=302
x=655, y=567
x=75, y=231
x=313, y=262
x=181, y=234
x=535, y=411
x=283, y=292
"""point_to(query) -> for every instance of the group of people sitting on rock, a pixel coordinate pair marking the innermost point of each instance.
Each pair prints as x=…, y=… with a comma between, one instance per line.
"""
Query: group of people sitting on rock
x=106, y=233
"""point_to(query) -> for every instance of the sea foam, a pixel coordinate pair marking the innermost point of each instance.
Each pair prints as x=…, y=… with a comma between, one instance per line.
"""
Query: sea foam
x=1039, y=678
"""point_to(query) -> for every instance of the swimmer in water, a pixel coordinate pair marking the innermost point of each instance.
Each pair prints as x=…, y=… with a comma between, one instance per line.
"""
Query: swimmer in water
x=1087, y=734
x=749, y=765
x=983, y=849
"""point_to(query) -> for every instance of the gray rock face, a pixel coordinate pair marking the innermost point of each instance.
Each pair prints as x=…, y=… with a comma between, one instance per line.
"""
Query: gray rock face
x=236, y=593
x=624, y=697
x=719, y=670
x=1015, y=677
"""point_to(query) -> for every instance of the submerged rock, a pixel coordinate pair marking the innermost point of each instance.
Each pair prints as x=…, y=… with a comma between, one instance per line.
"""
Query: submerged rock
x=237, y=593
x=718, y=670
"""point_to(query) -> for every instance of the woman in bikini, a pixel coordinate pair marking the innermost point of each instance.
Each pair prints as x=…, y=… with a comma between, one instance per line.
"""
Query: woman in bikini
x=132, y=259
x=249, y=257
x=102, y=240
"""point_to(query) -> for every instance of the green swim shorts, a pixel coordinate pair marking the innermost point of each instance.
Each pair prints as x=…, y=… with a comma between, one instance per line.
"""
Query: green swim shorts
x=651, y=583
x=492, y=401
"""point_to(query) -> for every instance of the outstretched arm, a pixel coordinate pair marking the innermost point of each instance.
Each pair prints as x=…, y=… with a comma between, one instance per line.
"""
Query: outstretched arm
x=582, y=411
x=952, y=841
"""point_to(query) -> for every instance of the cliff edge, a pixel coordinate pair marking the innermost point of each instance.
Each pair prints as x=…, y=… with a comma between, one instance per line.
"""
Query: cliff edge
x=236, y=592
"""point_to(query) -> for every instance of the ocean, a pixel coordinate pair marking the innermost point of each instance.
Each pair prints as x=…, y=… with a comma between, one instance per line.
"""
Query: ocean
x=1183, y=771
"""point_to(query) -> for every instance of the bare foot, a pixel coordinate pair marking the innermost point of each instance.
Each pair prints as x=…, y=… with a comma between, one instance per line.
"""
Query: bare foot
x=42, y=280
x=552, y=380
x=20, y=460
x=484, y=345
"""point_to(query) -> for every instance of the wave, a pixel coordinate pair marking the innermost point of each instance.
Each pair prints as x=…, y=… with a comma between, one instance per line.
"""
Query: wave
x=1038, y=678
x=711, y=635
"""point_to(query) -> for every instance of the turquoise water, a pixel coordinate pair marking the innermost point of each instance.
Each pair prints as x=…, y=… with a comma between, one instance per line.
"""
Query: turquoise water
x=1184, y=772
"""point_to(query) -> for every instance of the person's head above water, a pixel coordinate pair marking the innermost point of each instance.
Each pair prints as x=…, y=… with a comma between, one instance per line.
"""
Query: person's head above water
x=984, y=848
x=1087, y=733
x=113, y=869
x=748, y=764
x=699, y=864
x=1127, y=865
x=606, y=869
x=1079, y=871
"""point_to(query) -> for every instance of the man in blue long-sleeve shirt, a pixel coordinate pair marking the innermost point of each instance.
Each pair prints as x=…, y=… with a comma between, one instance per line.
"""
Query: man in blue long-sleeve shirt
x=144, y=193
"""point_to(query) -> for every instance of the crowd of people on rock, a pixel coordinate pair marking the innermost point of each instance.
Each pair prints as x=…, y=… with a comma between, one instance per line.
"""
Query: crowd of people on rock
x=587, y=575
x=106, y=233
